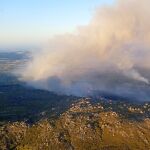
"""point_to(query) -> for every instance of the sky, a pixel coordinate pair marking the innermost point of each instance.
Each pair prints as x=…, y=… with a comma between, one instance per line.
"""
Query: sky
x=31, y=22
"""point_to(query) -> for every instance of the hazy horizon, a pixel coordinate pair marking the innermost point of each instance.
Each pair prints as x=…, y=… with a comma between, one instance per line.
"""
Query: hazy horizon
x=32, y=23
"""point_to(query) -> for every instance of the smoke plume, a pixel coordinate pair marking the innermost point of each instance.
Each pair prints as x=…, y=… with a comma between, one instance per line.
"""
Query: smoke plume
x=110, y=54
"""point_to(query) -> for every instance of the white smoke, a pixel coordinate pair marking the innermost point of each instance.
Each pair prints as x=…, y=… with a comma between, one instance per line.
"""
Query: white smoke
x=108, y=54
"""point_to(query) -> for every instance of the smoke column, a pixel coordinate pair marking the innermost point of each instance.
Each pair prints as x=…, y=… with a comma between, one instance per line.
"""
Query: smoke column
x=110, y=54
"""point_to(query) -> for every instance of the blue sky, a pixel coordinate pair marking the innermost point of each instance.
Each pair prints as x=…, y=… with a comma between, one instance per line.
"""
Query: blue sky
x=27, y=22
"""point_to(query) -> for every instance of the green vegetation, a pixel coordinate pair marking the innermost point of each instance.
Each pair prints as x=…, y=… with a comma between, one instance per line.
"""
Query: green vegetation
x=84, y=126
x=20, y=103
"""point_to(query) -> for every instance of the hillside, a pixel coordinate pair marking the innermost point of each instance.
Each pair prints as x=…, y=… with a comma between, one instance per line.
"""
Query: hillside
x=84, y=126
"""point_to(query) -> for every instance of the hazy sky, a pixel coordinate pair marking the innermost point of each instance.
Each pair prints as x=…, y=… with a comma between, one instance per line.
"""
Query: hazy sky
x=27, y=22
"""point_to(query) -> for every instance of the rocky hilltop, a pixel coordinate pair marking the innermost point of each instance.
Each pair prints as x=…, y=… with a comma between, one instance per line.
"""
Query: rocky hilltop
x=84, y=126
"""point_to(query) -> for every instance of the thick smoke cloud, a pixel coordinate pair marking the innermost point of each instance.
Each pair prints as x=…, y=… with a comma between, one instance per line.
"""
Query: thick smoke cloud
x=111, y=54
